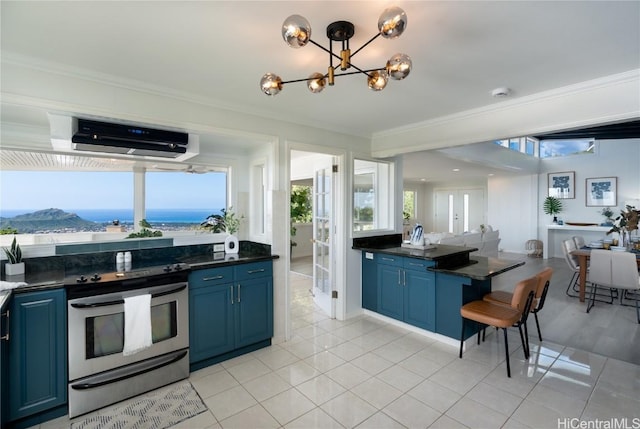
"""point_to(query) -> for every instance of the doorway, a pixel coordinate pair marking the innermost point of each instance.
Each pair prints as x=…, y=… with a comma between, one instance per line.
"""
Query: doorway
x=313, y=240
x=459, y=210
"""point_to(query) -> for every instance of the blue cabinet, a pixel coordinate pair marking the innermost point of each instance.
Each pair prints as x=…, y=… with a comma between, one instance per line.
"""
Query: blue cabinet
x=369, y=282
x=4, y=330
x=229, y=308
x=406, y=290
x=37, y=355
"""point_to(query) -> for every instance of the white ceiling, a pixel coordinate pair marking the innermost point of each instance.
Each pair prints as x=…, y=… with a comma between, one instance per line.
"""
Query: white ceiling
x=217, y=51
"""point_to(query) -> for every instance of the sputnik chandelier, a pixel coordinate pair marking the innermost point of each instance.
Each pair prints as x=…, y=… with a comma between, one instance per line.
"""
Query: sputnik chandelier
x=296, y=31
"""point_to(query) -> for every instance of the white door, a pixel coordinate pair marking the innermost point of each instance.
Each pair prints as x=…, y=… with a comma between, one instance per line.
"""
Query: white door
x=323, y=239
x=459, y=210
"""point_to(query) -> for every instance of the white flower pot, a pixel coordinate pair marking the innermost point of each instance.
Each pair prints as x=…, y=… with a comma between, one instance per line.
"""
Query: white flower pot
x=14, y=269
x=231, y=244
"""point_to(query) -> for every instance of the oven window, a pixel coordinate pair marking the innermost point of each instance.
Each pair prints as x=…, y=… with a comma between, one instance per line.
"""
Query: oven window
x=105, y=333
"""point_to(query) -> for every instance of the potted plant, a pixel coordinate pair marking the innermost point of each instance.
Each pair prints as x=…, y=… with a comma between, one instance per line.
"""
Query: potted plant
x=15, y=265
x=607, y=212
x=226, y=222
x=552, y=206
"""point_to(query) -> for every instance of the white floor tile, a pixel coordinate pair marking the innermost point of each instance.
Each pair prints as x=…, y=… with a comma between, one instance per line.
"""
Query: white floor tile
x=288, y=406
x=371, y=363
x=248, y=370
x=297, y=373
x=348, y=375
x=348, y=409
x=475, y=415
x=315, y=418
x=320, y=389
x=400, y=378
x=214, y=383
x=255, y=417
x=411, y=413
x=324, y=361
x=435, y=395
x=229, y=402
x=380, y=421
x=377, y=392
x=266, y=386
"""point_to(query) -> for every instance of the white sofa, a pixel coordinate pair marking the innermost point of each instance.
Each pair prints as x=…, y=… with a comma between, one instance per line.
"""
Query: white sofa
x=486, y=243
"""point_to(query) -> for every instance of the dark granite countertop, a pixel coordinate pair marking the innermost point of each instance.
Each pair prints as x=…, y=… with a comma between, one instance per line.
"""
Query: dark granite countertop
x=54, y=278
x=481, y=268
x=437, y=253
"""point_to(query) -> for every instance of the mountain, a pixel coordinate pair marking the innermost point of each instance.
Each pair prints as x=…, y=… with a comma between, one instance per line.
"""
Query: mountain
x=49, y=220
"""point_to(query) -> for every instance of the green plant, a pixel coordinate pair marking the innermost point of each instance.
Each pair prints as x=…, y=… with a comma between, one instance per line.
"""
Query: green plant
x=14, y=254
x=552, y=206
x=8, y=230
x=300, y=208
x=607, y=212
x=145, y=232
x=226, y=222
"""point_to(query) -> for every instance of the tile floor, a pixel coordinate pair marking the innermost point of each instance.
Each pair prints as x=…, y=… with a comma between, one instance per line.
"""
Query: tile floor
x=365, y=373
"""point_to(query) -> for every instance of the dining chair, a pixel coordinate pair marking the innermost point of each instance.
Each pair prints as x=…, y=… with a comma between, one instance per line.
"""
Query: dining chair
x=579, y=241
x=599, y=273
x=573, y=287
x=503, y=316
x=542, y=287
x=624, y=274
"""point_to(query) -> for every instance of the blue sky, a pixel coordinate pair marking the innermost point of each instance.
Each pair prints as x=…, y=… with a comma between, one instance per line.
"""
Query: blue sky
x=36, y=190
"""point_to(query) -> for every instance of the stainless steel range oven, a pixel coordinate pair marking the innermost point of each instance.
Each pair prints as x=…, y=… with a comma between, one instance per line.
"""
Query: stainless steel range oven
x=99, y=373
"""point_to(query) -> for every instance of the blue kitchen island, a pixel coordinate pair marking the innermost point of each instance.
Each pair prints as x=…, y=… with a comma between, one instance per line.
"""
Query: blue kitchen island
x=425, y=287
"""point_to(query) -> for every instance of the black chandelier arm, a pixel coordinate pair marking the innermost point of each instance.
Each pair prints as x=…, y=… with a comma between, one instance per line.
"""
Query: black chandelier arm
x=336, y=75
x=362, y=47
x=356, y=72
x=325, y=49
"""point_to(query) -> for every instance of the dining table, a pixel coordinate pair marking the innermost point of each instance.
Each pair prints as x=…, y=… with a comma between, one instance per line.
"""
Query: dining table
x=583, y=255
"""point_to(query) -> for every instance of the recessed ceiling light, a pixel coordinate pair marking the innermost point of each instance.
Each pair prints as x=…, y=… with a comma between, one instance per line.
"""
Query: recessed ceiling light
x=456, y=169
x=490, y=174
x=501, y=92
x=423, y=180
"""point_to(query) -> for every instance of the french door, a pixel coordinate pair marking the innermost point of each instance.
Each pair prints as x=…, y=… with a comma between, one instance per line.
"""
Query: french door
x=323, y=238
x=459, y=210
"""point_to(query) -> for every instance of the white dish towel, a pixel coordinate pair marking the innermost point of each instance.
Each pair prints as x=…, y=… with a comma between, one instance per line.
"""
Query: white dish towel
x=137, y=324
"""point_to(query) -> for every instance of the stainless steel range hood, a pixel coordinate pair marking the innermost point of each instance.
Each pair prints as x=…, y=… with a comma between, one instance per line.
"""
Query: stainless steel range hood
x=71, y=134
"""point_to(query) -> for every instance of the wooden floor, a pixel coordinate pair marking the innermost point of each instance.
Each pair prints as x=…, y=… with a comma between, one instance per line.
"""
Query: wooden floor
x=609, y=329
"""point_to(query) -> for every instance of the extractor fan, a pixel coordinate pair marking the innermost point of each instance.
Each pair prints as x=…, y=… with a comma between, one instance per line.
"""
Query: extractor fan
x=190, y=169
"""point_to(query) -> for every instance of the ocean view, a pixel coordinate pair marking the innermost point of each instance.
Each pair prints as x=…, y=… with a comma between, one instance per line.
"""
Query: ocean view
x=125, y=216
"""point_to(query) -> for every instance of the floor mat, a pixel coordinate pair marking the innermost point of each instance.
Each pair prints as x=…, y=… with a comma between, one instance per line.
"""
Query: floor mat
x=159, y=409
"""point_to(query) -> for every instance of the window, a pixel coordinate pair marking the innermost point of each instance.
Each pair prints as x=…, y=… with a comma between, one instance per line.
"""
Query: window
x=179, y=201
x=81, y=201
x=409, y=205
x=556, y=148
x=372, y=196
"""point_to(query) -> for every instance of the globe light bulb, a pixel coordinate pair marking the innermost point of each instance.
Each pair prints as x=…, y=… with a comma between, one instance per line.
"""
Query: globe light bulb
x=296, y=31
x=392, y=22
x=271, y=84
x=377, y=80
x=316, y=83
x=399, y=66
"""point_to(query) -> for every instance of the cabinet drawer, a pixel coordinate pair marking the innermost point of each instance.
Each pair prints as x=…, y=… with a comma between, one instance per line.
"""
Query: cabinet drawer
x=253, y=270
x=382, y=258
x=417, y=264
x=210, y=276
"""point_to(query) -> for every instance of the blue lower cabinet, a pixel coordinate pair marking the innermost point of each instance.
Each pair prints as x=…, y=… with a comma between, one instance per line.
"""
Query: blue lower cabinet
x=369, y=282
x=37, y=355
x=390, y=291
x=254, y=311
x=210, y=321
x=225, y=317
x=406, y=291
x=419, y=299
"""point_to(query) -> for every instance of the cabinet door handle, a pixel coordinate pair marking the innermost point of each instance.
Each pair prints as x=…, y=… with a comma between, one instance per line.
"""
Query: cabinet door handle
x=6, y=336
x=399, y=277
x=261, y=270
x=415, y=264
x=206, y=279
x=238, y=292
x=388, y=259
x=231, y=287
x=404, y=278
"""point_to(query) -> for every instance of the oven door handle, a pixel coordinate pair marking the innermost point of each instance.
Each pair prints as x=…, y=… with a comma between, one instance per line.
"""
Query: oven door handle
x=82, y=305
x=123, y=375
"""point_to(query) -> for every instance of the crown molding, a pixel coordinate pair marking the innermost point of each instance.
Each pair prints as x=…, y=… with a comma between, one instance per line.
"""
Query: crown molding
x=603, y=82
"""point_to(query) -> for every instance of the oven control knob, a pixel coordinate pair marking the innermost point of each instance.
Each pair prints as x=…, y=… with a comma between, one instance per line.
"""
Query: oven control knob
x=178, y=267
x=96, y=278
x=82, y=279
x=167, y=268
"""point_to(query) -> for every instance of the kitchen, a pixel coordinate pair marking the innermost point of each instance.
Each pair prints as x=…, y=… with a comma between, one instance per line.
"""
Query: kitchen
x=29, y=92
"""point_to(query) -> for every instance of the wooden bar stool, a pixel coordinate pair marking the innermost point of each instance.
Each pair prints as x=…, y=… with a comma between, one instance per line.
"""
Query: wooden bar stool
x=503, y=316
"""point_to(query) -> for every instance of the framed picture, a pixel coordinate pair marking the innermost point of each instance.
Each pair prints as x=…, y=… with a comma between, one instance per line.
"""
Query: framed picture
x=602, y=191
x=562, y=185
